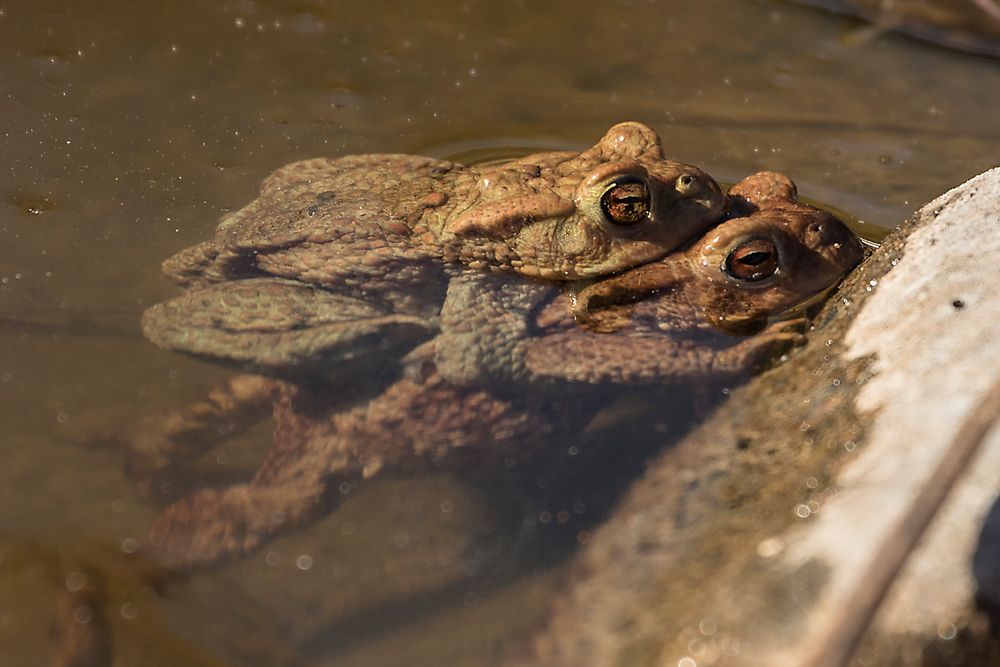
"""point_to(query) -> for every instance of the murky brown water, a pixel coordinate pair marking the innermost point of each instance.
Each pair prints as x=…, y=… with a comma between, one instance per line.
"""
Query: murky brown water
x=128, y=129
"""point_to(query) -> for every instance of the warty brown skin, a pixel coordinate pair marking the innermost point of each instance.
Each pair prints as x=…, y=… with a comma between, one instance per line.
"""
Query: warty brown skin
x=387, y=226
x=675, y=318
x=668, y=322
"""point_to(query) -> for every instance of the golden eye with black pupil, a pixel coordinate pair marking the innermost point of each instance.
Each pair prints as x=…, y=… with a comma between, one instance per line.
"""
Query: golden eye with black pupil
x=687, y=184
x=753, y=260
x=626, y=202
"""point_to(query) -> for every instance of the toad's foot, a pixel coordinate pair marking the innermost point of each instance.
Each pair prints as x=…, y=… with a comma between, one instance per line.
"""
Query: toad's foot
x=214, y=525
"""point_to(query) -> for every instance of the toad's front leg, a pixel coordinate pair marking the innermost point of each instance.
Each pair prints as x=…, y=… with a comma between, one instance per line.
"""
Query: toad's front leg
x=627, y=358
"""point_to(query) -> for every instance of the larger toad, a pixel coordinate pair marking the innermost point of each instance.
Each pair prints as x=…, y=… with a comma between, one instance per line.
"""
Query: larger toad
x=387, y=227
x=669, y=322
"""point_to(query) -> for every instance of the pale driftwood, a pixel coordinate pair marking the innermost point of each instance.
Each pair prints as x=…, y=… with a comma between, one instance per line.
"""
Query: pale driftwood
x=967, y=25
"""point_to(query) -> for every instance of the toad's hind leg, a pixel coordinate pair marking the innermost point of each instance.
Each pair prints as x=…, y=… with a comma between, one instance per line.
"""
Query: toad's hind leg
x=163, y=440
x=315, y=452
x=212, y=525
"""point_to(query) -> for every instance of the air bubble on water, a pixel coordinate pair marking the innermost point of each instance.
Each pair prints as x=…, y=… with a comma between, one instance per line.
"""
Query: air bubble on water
x=83, y=614
x=304, y=562
x=769, y=548
x=947, y=631
x=76, y=581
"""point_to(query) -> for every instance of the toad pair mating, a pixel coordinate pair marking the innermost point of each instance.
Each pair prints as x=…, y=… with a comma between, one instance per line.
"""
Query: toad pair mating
x=637, y=270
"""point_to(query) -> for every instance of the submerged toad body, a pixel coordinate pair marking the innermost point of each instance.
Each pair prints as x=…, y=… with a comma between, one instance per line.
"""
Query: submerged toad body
x=667, y=322
x=387, y=226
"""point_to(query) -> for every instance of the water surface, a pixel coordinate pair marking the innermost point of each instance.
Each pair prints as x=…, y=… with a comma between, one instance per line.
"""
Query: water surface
x=129, y=129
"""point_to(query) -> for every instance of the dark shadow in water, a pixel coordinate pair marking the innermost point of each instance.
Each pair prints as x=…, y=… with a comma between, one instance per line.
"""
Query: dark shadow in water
x=546, y=505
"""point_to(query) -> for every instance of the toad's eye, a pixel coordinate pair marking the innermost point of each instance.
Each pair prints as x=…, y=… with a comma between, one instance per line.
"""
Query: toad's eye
x=753, y=260
x=687, y=184
x=626, y=202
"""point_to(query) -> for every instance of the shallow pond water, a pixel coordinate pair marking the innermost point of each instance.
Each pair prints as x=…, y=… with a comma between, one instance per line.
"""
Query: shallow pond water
x=129, y=129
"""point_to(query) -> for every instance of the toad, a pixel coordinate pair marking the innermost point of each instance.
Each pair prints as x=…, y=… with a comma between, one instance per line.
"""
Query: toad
x=676, y=321
x=391, y=229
